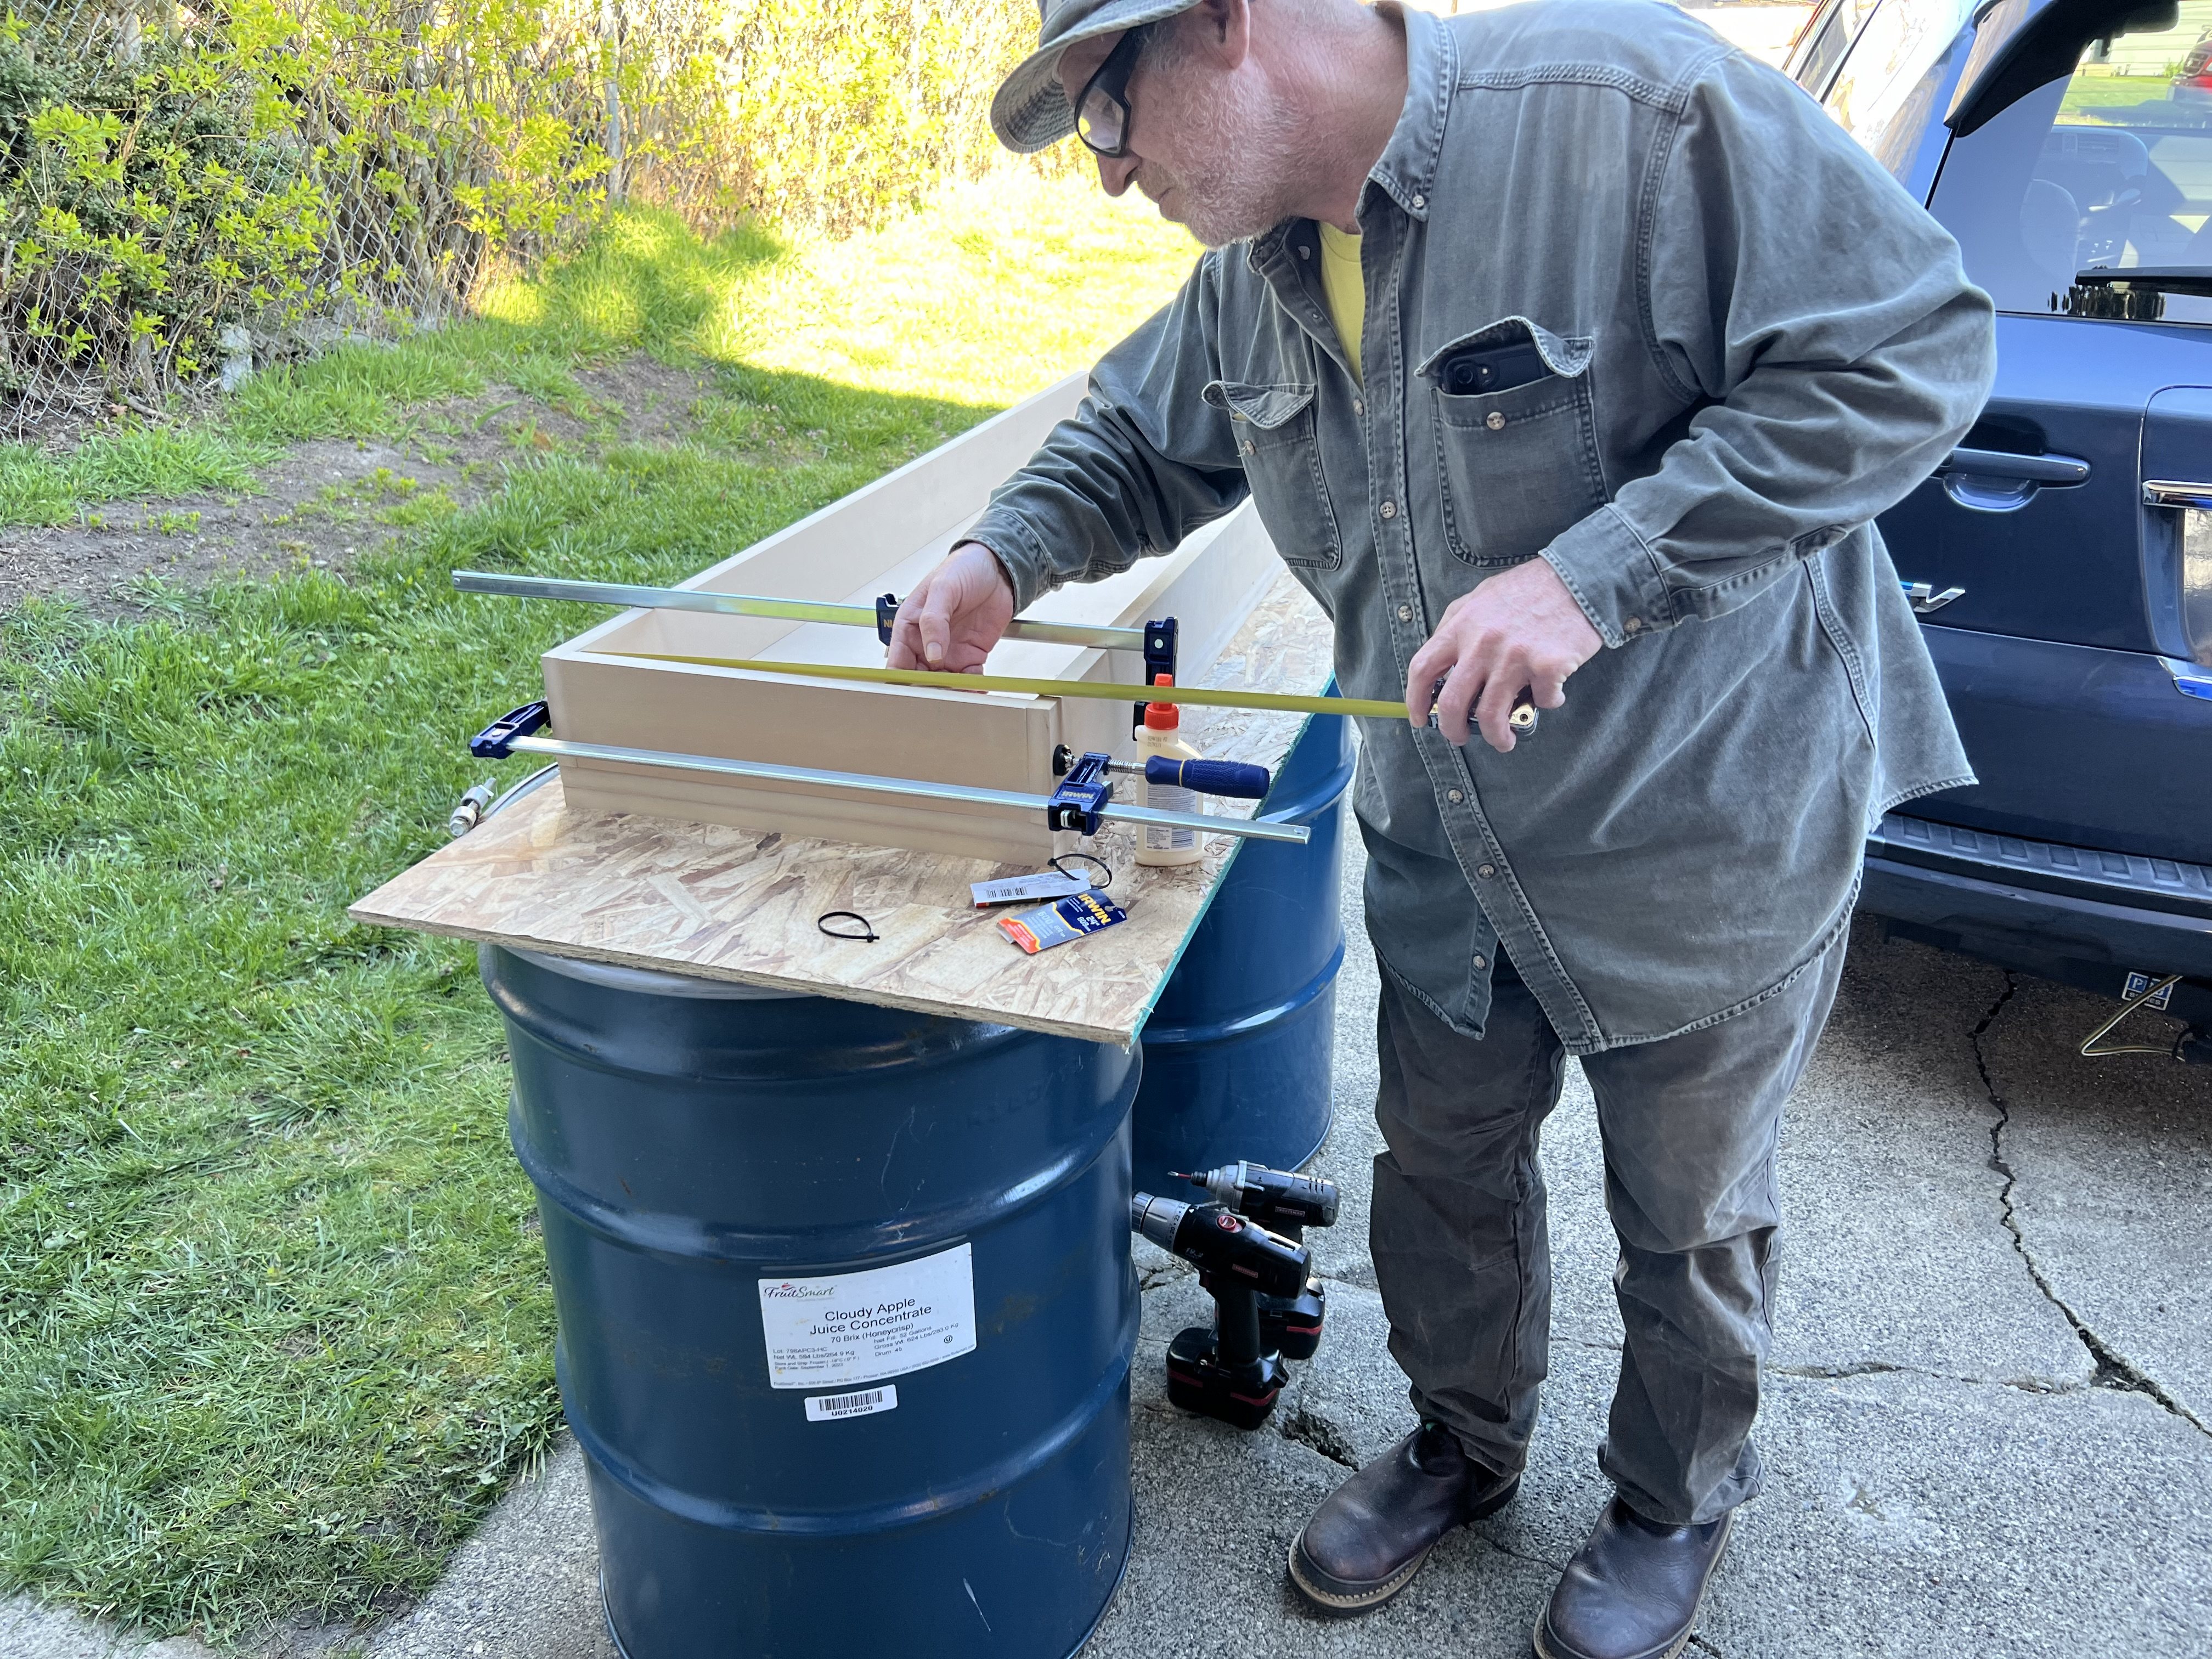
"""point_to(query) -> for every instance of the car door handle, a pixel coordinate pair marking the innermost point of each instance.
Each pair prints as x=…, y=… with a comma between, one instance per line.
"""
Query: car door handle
x=2167, y=492
x=2060, y=470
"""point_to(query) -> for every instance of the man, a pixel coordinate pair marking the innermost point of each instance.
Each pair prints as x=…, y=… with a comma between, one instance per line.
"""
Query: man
x=1561, y=348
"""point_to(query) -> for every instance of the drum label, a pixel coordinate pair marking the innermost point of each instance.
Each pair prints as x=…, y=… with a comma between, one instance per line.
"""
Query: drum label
x=864, y=1326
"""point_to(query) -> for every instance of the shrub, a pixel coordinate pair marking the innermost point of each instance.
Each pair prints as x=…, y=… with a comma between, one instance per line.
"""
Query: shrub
x=178, y=188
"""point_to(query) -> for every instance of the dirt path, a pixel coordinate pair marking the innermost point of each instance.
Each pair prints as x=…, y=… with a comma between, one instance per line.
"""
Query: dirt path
x=322, y=502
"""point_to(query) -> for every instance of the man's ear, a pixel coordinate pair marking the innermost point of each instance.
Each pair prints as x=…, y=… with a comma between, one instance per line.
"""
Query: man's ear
x=1219, y=32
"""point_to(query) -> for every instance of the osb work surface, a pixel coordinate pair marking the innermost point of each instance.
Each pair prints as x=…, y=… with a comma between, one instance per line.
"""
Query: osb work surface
x=739, y=904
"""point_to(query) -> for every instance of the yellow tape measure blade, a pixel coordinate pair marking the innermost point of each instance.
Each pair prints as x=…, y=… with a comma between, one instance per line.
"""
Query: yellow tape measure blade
x=1185, y=696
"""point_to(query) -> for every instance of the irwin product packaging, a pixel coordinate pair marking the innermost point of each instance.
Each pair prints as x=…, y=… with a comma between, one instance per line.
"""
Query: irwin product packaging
x=1012, y=890
x=1063, y=920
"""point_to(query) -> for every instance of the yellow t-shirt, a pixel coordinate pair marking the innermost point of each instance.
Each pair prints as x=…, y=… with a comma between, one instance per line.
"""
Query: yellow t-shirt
x=1343, y=287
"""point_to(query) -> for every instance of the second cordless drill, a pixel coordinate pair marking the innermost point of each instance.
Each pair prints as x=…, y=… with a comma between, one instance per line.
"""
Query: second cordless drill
x=1287, y=1205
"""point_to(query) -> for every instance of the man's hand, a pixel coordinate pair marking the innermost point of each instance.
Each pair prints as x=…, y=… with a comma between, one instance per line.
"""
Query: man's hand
x=1520, y=627
x=954, y=614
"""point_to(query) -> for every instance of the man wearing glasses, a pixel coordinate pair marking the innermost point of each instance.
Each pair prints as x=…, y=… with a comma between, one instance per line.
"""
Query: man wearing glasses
x=1559, y=341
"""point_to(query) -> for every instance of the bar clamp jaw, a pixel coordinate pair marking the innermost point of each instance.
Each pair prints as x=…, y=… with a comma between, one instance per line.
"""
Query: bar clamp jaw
x=1160, y=642
x=1083, y=792
x=496, y=741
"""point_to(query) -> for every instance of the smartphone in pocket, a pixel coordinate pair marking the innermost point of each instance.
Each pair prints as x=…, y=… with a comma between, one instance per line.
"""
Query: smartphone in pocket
x=1499, y=366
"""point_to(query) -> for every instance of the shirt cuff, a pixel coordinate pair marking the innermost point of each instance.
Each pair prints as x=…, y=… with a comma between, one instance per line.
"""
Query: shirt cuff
x=1613, y=576
x=1020, y=554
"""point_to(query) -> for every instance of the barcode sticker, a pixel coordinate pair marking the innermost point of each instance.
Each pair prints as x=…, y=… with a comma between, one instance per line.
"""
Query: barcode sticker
x=828, y=1407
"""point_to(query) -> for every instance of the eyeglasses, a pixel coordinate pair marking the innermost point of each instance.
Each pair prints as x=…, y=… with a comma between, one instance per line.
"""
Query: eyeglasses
x=1102, y=113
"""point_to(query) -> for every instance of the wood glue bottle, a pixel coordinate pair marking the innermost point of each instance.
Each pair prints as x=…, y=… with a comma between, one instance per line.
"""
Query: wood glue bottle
x=1158, y=844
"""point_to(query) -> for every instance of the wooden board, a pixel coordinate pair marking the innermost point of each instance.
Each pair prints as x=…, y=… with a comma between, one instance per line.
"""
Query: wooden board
x=730, y=903
x=879, y=539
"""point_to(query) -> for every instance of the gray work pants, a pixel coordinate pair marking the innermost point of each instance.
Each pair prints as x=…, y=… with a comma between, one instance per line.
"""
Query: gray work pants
x=1463, y=1258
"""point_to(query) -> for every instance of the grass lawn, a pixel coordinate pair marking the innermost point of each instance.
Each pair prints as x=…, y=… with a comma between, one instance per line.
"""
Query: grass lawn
x=273, y=1327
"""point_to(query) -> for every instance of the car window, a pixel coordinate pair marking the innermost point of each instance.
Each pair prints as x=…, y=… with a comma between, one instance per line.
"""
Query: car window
x=2109, y=167
x=1898, y=47
x=1825, y=39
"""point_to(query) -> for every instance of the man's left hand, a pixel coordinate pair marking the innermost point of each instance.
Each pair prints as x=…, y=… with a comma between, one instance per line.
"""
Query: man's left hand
x=1520, y=627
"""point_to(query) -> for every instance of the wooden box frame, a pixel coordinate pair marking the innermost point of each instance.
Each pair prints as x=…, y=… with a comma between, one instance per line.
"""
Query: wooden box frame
x=882, y=538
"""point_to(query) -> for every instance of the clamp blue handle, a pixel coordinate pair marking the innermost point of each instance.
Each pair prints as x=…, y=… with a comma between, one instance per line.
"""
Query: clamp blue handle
x=496, y=741
x=1209, y=777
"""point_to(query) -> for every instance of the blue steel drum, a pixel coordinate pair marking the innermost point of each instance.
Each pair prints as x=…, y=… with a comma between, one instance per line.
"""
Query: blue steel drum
x=1238, y=1049
x=705, y=1155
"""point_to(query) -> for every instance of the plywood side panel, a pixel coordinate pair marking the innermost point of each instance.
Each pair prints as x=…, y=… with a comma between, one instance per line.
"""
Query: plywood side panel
x=991, y=742
x=843, y=547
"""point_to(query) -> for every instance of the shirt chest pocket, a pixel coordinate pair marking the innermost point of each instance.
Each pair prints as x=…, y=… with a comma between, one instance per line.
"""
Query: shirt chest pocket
x=1274, y=426
x=1518, y=463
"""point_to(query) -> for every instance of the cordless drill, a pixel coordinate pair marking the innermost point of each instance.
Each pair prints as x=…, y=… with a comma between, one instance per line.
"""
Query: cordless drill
x=1287, y=1205
x=1224, y=1371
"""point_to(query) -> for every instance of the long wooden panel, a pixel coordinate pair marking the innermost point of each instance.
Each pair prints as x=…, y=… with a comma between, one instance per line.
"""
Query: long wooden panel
x=882, y=538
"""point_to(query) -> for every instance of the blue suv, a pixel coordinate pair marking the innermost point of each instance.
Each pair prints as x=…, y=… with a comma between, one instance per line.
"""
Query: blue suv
x=2061, y=558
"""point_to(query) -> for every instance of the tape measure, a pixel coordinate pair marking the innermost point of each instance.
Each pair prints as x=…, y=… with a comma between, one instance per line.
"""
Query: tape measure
x=1523, y=718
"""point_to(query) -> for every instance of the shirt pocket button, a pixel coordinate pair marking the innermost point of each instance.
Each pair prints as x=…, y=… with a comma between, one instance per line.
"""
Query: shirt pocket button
x=1495, y=421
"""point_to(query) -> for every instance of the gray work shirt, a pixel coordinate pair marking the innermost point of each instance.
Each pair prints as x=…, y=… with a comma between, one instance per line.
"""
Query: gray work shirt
x=1757, y=342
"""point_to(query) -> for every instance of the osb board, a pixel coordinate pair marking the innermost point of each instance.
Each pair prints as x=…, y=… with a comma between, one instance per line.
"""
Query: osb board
x=721, y=902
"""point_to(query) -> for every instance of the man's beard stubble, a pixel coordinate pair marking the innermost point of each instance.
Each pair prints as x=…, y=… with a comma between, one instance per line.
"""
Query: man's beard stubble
x=1254, y=154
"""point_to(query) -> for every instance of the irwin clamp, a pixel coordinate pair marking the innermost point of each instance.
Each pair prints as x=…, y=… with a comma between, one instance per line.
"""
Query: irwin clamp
x=1084, y=802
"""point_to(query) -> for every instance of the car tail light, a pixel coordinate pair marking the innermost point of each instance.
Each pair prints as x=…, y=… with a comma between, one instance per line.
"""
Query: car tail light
x=2196, y=581
x=2194, y=502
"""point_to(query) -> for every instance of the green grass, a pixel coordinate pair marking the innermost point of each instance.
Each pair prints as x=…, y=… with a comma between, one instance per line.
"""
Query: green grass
x=274, y=1328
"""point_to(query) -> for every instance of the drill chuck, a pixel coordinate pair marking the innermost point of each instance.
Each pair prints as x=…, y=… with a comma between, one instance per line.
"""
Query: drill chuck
x=1157, y=1218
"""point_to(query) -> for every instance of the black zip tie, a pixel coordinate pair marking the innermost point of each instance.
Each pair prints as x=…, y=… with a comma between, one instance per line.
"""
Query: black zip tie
x=1090, y=857
x=822, y=922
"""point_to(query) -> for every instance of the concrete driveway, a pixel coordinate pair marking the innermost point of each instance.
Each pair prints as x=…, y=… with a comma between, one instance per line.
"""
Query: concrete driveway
x=1988, y=1409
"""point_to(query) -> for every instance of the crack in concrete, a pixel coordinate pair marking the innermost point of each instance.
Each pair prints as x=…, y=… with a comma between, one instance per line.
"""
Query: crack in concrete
x=1318, y=1434
x=2114, y=1368
x=1885, y=1368
x=1856, y=1368
x=1519, y=1555
x=1703, y=1646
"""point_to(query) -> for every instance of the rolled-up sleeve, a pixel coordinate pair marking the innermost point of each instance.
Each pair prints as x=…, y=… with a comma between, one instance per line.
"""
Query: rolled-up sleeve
x=1144, y=461
x=1823, y=320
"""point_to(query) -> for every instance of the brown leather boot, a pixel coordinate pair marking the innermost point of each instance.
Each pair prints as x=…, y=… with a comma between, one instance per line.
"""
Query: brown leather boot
x=1632, y=1592
x=1369, y=1536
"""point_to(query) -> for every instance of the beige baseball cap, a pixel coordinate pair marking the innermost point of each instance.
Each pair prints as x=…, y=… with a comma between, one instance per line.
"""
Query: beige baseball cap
x=1031, y=110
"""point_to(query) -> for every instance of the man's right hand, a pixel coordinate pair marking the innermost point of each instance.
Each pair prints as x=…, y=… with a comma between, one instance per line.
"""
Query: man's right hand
x=955, y=615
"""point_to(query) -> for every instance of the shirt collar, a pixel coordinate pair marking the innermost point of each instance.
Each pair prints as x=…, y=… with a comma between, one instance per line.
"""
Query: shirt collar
x=1407, y=167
